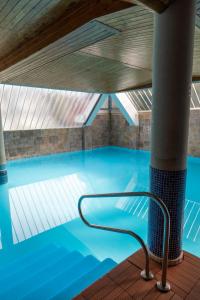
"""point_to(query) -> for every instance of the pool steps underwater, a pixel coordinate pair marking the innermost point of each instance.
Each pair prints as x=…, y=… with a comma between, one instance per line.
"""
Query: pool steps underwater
x=51, y=272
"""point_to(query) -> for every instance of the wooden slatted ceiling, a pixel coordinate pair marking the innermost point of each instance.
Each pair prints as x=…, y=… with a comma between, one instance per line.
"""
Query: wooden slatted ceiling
x=115, y=62
x=134, y=45
x=80, y=71
x=21, y=20
x=83, y=72
x=72, y=18
x=88, y=34
x=156, y=5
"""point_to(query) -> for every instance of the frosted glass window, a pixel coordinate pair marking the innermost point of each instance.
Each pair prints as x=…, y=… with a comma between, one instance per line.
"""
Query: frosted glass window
x=142, y=99
x=26, y=108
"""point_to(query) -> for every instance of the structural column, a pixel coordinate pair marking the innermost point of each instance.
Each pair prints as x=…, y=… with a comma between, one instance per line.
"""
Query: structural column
x=3, y=171
x=172, y=75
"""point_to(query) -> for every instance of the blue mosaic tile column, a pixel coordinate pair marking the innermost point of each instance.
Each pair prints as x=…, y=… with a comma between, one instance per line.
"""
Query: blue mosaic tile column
x=170, y=187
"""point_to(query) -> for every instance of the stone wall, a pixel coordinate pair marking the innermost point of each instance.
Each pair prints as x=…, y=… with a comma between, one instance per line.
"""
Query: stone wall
x=139, y=137
x=29, y=143
x=98, y=135
x=194, y=133
x=102, y=133
x=122, y=134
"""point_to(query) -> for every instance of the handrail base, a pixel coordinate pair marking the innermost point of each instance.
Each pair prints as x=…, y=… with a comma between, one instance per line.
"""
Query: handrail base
x=146, y=276
x=163, y=289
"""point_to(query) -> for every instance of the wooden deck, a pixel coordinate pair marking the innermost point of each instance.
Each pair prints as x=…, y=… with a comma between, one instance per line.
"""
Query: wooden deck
x=124, y=281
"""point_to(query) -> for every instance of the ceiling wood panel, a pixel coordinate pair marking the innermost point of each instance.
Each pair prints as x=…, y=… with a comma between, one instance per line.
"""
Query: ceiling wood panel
x=26, y=23
x=109, y=54
x=156, y=5
x=84, y=72
x=88, y=34
x=72, y=18
x=134, y=45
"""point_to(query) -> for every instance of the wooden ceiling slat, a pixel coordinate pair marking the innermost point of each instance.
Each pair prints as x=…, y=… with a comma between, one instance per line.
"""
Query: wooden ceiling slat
x=6, y=8
x=37, y=15
x=86, y=35
x=73, y=70
x=76, y=15
x=134, y=45
x=86, y=59
x=156, y=5
x=21, y=9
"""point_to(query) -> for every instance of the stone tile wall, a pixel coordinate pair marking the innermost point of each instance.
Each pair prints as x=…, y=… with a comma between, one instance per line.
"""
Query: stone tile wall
x=102, y=133
x=194, y=133
x=139, y=137
x=144, y=130
x=29, y=143
x=98, y=135
x=122, y=134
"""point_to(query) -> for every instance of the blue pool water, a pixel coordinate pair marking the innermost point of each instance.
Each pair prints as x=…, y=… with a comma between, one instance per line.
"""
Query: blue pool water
x=39, y=204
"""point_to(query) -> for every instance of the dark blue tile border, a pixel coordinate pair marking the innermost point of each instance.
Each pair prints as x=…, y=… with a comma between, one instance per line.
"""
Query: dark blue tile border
x=3, y=174
x=170, y=187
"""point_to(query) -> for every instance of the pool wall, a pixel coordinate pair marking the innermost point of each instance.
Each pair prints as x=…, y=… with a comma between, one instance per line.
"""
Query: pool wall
x=29, y=143
x=139, y=137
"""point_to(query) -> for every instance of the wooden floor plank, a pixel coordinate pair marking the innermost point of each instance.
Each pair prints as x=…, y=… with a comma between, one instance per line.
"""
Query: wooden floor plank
x=176, y=297
x=105, y=291
x=140, y=288
x=125, y=282
x=181, y=281
x=115, y=294
x=139, y=260
x=119, y=270
x=124, y=296
x=128, y=277
x=192, y=259
x=178, y=291
x=97, y=287
x=153, y=294
x=166, y=296
x=195, y=293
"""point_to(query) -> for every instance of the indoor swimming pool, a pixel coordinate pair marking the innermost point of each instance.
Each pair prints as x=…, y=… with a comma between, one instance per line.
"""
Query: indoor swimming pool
x=39, y=205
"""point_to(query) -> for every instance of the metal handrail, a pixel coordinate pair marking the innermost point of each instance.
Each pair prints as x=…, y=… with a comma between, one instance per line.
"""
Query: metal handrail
x=162, y=285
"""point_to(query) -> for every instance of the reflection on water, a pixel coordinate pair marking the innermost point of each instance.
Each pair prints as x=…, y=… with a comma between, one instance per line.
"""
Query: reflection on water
x=38, y=208
x=138, y=206
x=31, y=209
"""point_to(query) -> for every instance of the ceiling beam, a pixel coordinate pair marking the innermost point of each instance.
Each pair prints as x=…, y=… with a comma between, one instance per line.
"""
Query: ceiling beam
x=136, y=87
x=148, y=85
x=155, y=5
x=78, y=14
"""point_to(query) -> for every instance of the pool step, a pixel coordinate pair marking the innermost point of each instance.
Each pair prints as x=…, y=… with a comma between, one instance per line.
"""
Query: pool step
x=59, y=274
x=28, y=258
x=85, y=281
x=30, y=264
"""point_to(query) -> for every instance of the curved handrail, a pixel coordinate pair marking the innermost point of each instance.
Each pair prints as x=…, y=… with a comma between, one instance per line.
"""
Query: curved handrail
x=163, y=285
